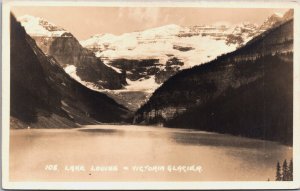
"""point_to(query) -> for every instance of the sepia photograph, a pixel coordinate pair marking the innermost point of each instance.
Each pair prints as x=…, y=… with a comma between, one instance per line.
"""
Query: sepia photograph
x=199, y=94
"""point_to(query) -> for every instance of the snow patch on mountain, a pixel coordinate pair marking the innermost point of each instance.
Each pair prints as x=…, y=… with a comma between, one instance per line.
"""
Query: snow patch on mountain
x=112, y=67
x=145, y=85
x=71, y=70
x=36, y=26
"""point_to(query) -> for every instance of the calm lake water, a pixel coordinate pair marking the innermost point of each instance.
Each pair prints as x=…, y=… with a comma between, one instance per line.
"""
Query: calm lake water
x=132, y=153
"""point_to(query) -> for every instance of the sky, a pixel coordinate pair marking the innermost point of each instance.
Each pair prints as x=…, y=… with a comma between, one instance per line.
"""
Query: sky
x=84, y=22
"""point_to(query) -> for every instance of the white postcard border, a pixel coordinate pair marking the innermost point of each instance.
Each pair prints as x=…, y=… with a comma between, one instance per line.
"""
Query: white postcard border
x=149, y=185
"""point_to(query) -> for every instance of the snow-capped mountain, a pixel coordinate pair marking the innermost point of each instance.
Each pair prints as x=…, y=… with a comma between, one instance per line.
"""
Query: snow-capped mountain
x=36, y=26
x=151, y=56
x=275, y=20
x=189, y=44
x=271, y=21
x=77, y=61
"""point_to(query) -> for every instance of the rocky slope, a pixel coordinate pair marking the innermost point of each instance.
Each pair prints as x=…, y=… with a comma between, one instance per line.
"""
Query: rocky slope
x=44, y=96
x=247, y=92
x=80, y=62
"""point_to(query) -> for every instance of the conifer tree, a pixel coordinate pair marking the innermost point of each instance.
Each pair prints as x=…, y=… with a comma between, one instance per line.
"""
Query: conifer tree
x=278, y=172
x=284, y=171
x=290, y=170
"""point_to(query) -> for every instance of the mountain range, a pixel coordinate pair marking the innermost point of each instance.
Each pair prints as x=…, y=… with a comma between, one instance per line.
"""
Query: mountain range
x=129, y=67
x=170, y=48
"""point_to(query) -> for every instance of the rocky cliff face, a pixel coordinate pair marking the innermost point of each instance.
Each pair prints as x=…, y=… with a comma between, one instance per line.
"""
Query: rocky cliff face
x=65, y=48
x=221, y=95
x=44, y=96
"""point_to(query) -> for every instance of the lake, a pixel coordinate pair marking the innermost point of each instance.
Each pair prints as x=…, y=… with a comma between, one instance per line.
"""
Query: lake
x=140, y=153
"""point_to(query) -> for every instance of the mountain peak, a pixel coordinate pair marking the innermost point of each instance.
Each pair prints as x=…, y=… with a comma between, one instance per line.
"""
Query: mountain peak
x=271, y=21
x=37, y=26
x=172, y=26
x=273, y=18
x=288, y=15
x=163, y=30
x=168, y=26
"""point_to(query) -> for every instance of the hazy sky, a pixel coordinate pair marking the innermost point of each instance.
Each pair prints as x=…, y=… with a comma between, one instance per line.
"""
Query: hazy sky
x=84, y=22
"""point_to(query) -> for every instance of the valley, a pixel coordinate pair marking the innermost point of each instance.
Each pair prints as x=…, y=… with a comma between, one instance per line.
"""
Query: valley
x=139, y=61
x=209, y=101
x=173, y=76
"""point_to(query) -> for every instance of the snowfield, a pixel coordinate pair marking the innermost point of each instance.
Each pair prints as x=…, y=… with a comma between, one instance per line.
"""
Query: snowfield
x=160, y=43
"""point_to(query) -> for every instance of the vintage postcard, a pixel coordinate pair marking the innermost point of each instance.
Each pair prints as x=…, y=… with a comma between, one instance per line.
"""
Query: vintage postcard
x=150, y=95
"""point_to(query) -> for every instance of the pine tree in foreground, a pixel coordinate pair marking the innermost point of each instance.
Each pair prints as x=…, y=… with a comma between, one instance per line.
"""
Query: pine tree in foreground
x=278, y=172
x=284, y=171
x=290, y=170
